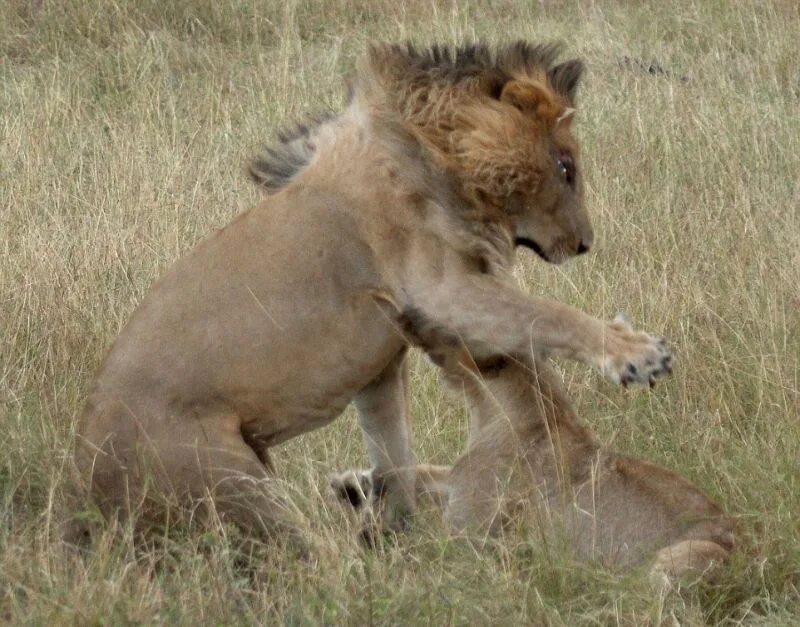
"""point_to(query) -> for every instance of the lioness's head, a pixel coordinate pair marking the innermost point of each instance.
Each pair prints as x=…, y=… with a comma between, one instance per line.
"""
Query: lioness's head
x=500, y=121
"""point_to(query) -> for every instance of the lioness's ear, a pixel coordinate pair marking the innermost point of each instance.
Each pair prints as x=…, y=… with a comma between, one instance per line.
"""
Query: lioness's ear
x=565, y=77
x=528, y=97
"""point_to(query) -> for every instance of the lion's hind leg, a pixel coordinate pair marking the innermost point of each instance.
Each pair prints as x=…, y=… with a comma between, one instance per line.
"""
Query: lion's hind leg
x=144, y=471
x=238, y=482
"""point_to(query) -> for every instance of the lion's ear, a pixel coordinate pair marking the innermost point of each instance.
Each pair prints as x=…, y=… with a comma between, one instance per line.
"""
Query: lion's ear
x=565, y=117
x=526, y=96
x=532, y=98
x=565, y=77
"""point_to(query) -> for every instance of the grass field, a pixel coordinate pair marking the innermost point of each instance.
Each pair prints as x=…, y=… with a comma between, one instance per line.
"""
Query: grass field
x=124, y=131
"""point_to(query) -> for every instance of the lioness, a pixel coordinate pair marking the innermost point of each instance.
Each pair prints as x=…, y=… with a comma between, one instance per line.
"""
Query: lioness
x=530, y=459
x=441, y=163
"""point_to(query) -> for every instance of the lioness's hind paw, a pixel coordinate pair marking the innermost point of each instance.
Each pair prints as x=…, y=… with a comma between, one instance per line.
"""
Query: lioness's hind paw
x=352, y=487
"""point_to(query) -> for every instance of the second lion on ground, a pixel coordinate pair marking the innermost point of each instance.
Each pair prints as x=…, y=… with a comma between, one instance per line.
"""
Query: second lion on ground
x=531, y=464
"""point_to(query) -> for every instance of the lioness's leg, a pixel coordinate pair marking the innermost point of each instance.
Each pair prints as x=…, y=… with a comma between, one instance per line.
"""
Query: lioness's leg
x=383, y=415
x=489, y=313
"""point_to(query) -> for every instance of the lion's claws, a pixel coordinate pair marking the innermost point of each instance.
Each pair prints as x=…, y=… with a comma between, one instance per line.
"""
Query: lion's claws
x=635, y=358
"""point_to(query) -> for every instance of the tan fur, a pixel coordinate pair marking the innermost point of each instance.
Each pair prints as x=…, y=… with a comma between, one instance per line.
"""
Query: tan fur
x=416, y=193
x=531, y=464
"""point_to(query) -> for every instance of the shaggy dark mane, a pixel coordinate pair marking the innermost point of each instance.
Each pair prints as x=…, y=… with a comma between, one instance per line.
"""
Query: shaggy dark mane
x=453, y=65
x=441, y=64
x=275, y=167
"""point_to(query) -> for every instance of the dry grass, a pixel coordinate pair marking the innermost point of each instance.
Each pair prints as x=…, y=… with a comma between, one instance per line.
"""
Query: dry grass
x=125, y=126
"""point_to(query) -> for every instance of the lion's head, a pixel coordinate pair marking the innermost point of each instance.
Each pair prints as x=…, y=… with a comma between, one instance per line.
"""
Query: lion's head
x=497, y=120
x=519, y=158
x=500, y=122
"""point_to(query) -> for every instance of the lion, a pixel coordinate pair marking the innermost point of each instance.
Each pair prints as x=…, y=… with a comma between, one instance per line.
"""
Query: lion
x=419, y=191
x=531, y=464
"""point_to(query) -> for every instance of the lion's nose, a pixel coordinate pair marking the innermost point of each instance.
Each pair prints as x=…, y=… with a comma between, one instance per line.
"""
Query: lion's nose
x=583, y=248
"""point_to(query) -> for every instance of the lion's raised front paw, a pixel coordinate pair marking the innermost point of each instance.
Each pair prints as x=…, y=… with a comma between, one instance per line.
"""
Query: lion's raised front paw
x=632, y=357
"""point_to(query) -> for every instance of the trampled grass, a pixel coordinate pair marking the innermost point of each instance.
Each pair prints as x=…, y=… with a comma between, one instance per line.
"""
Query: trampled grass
x=124, y=130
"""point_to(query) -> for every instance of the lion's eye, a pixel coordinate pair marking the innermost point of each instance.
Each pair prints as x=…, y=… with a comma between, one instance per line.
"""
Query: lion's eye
x=566, y=168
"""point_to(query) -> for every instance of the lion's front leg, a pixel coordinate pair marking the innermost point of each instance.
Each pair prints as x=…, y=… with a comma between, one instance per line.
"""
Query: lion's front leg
x=493, y=317
x=383, y=415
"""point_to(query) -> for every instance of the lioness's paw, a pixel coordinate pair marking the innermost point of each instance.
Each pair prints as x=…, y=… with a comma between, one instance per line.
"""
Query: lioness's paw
x=352, y=487
x=632, y=357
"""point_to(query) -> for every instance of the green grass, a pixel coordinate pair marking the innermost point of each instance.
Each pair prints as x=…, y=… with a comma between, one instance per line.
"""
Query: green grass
x=124, y=130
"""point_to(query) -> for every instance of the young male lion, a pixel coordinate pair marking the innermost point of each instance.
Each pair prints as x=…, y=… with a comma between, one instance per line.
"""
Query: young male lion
x=419, y=190
x=531, y=464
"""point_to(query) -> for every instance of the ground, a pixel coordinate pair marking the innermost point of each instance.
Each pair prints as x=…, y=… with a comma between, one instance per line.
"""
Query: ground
x=124, y=132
